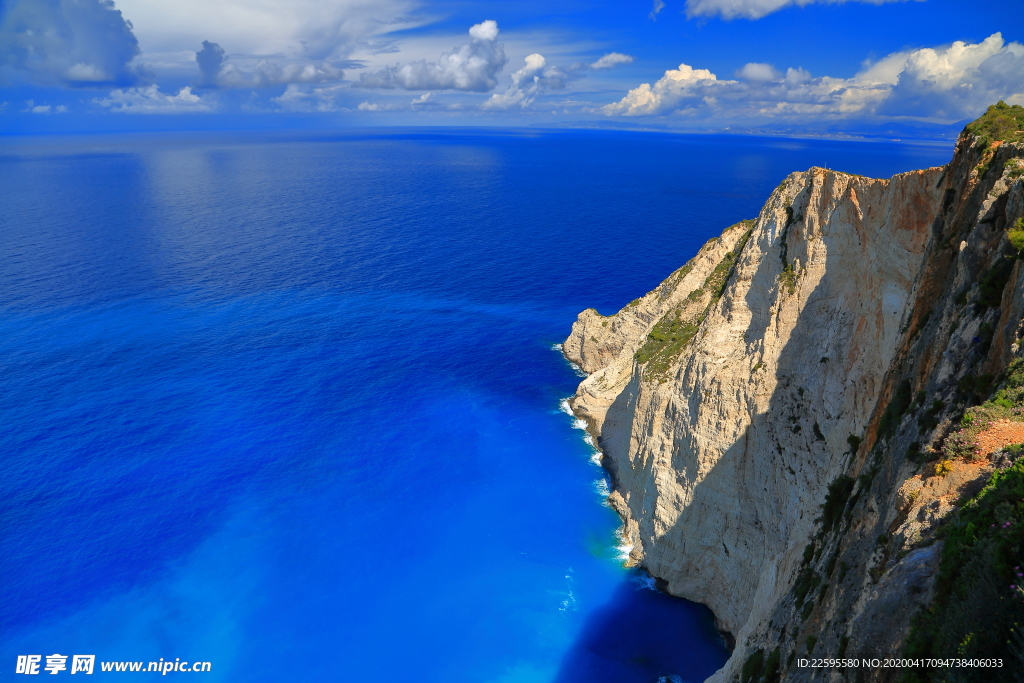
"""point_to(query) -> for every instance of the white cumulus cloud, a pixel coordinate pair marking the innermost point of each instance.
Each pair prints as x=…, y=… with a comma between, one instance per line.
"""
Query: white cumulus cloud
x=670, y=91
x=537, y=77
x=79, y=43
x=755, y=9
x=527, y=83
x=755, y=71
x=610, y=60
x=471, y=67
x=377, y=106
x=305, y=98
x=958, y=81
x=149, y=100
x=33, y=108
x=312, y=30
x=216, y=71
x=946, y=83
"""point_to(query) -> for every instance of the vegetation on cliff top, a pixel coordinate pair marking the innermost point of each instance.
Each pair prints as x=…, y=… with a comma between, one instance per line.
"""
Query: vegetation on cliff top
x=674, y=331
x=1000, y=122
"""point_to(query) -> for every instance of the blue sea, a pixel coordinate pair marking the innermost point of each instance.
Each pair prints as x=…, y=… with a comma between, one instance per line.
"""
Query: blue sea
x=289, y=403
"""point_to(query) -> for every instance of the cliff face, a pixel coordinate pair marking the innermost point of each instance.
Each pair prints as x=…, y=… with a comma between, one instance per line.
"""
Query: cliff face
x=768, y=413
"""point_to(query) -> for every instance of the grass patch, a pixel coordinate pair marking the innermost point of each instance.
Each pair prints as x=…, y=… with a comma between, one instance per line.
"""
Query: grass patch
x=674, y=331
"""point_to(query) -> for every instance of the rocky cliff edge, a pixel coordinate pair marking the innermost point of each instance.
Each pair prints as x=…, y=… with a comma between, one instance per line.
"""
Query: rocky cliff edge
x=775, y=415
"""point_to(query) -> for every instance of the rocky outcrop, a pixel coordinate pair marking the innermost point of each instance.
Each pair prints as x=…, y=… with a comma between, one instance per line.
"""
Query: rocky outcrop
x=769, y=410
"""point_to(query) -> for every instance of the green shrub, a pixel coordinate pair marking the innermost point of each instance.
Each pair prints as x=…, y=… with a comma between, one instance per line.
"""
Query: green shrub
x=977, y=601
x=1000, y=122
x=960, y=446
x=930, y=418
x=914, y=451
x=752, y=667
x=1016, y=233
x=835, y=501
x=787, y=278
x=992, y=283
x=771, y=668
x=807, y=581
x=921, y=323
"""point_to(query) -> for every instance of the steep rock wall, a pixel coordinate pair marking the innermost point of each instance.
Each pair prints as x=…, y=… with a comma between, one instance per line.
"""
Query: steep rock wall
x=729, y=399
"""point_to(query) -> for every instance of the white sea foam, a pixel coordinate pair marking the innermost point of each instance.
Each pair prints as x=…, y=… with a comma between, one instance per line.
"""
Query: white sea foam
x=581, y=424
x=563, y=405
x=601, y=488
x=575, y=368
x=622, y=551
x=624, y=547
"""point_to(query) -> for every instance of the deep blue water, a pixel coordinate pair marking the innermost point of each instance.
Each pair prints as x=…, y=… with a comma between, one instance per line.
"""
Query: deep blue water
x=289, y=404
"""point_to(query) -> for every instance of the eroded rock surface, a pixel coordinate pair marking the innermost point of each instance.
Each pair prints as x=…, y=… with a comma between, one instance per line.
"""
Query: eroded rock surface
x=817, y=351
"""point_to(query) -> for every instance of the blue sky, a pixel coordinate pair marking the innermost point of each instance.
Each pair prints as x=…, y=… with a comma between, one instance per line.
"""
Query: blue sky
x=918, y=67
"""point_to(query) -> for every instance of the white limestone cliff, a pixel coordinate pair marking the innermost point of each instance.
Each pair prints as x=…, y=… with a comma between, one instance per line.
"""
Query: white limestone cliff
x=728, y=399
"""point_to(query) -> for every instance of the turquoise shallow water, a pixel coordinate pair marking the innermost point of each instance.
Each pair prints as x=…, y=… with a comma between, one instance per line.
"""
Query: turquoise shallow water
x=290, y=405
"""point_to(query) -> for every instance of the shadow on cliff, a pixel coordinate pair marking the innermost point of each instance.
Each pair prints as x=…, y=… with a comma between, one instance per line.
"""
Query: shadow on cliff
x=747, y=511
x=766, y=490
x=642, y=636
